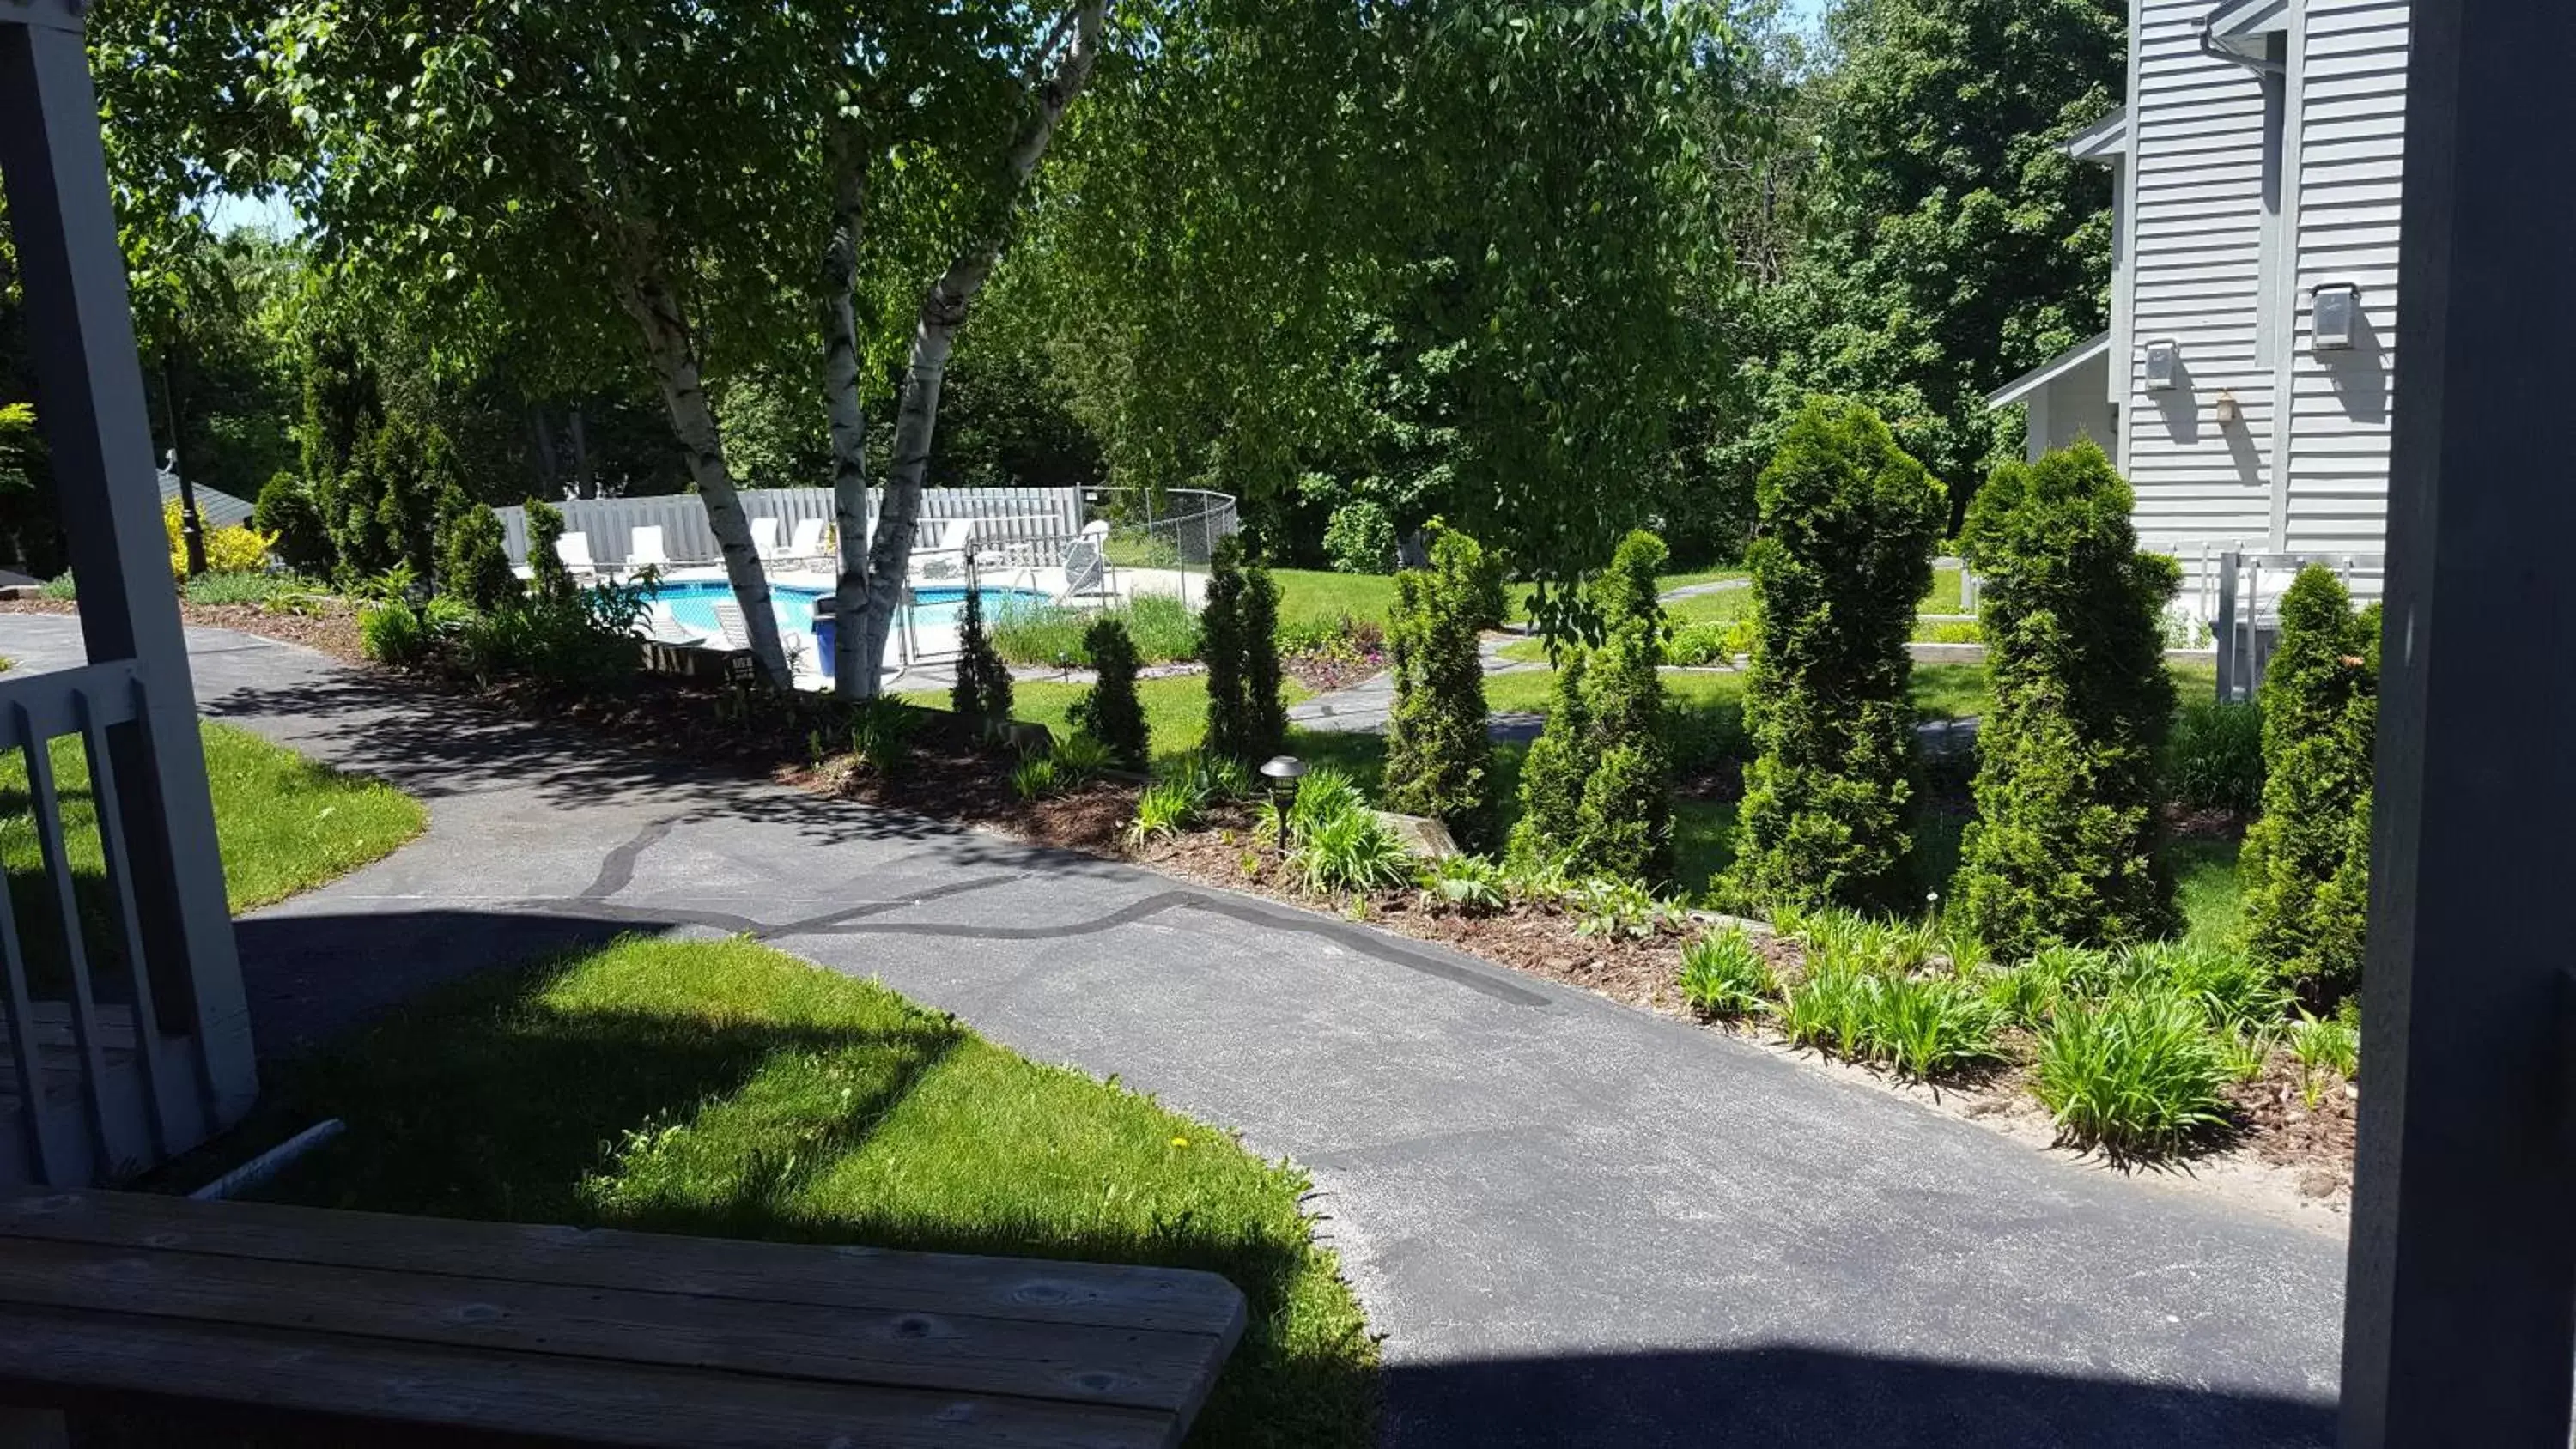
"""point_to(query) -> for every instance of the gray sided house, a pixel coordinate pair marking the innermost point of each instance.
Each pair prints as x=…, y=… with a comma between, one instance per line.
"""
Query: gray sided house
x=2245, y=386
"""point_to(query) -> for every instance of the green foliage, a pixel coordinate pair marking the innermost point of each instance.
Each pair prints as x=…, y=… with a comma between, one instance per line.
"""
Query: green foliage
x=473, y=558
x=1323, y=796
x=1596, y=788
x=1111, y=711
x=583, y=645
x=276, y=592
x=394, y=633
x=1036, y=777
x=1470, y=883
x=1931, y=1026
x=1164, y=809
x=1353, y=852
x=2064, y=847
x=2213, y=760
x=2325, y=1047
x=546, y=529
x=1079, y=757
x=2233, y=990
x=2138, y=1075
x=1161, y=625
x=983, y=689
x=1724, y=976
x=881, y=731
x=1360, y=538
x=286, y=510
x=2306, y=862
x=1239, y=639
x=1439, y=759
x=1849, y=523
x=1619, y=909
x=1951, y=243
x=386, y=506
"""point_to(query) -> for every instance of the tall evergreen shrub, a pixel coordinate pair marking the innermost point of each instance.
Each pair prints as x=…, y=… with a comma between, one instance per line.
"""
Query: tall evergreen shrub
x=983, y=689
x=1439, y=760
x=1111, y=713
x=545, y=529
x=1596, y=788
x=2064, y=845
x=473, y=558
x=1849, y=523
x=1239, y=641
x=2306, y=864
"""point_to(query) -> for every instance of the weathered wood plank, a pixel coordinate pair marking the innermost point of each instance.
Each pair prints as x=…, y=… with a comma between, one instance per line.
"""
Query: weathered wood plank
x=914, y=1349
x=1030, y=1289
x=75, y=1357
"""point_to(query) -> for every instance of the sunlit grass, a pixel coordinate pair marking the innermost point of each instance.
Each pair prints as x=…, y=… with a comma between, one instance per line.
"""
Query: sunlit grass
x=725, y=1089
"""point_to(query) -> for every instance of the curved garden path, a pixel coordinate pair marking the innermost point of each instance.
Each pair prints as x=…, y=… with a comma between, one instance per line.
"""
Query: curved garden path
x=1575, y=1223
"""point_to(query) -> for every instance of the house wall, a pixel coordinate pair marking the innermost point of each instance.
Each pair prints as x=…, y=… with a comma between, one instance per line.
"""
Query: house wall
x=2073, y=409
x=2196, y=221
x=2351, y=147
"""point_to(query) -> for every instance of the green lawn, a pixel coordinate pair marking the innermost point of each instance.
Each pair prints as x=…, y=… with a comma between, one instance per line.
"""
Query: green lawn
x=724, y=1089
x=1309, y=596
x=1944, y=598
x=285, y=824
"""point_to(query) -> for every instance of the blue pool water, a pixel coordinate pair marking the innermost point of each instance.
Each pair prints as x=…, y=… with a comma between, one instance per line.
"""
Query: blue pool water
x=693, y=603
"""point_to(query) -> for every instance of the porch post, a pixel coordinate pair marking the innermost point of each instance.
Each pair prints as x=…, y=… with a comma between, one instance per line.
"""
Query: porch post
x=2460, y=1317
x=90, y=405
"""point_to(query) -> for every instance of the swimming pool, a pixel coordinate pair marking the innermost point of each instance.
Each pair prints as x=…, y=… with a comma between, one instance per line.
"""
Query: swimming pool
x=692, y=603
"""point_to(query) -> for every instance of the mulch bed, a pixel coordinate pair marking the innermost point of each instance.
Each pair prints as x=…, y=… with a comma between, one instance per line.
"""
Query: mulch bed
x=952, y=774
x=1326, y=671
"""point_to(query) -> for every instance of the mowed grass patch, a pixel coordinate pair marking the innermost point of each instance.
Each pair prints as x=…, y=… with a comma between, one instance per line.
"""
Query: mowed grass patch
x=284, y=823
x=724, y=1089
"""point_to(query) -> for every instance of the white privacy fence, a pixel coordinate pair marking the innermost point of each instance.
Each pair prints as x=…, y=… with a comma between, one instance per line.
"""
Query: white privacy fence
x=1003, y=517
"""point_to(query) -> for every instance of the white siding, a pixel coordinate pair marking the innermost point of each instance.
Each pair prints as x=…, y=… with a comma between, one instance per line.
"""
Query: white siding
x=2196, y=168
x=2352, y=138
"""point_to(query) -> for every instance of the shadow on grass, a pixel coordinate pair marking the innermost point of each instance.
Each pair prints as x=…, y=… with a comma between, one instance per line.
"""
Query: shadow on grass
x=743, y=1101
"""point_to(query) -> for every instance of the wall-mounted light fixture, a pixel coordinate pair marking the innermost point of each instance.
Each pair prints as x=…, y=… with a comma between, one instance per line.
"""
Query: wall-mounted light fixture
x=2337, y=316
x=2230, y=411
x=2164, y=366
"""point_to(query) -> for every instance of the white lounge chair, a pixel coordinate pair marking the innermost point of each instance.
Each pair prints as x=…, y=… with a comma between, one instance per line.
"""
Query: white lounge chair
x=732, y=630
x=574, y=550
x=1086, y=566
x=764, y=540
x=810, y=540
x=939, y=549
x=645, y=550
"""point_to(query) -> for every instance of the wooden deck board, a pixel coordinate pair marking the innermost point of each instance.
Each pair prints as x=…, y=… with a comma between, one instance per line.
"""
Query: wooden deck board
x=613, y=1337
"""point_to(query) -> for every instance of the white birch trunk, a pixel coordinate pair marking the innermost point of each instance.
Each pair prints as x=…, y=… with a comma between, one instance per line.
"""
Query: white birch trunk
x=856, y=673
x=648, y=299
x=944, y=311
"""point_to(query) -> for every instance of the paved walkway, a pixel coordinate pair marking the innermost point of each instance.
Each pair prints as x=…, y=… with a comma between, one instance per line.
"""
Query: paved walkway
x=1576, y=1224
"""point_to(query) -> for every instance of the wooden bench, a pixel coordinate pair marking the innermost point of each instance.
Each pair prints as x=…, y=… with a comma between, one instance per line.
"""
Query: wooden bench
x=595, y=1336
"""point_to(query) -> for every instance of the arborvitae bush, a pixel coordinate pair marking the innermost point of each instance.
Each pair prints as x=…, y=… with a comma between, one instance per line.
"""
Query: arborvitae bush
x=1552, y=773
x=1596, y=789
x=473, y=559
x=2306, y=866
x=982, y=692
x=545, y=529
x=2064, y=847
x=1624, y=827
x=385, y=508
x=1439, y=760
x=1111, y=713
x=288, y=512
x=1239, y=641
x=1849, y=524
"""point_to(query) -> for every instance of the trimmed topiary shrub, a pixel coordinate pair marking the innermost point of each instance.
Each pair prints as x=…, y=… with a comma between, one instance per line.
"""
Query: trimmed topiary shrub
x=1111, y=713
x=1849, y=524
x=983, y=689
x=545, y=529
x=1552, y=774
x=1624, y=827
x=2064, y=846
x=1439, y=761
x=473, y=560
x=1239, y=640
x=2306, y=865
x=1596, y=788
x=1360, y=538
x=287, y=512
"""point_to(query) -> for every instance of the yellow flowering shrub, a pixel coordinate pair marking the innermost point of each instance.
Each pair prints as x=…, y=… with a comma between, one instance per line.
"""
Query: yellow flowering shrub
x=235, y=549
